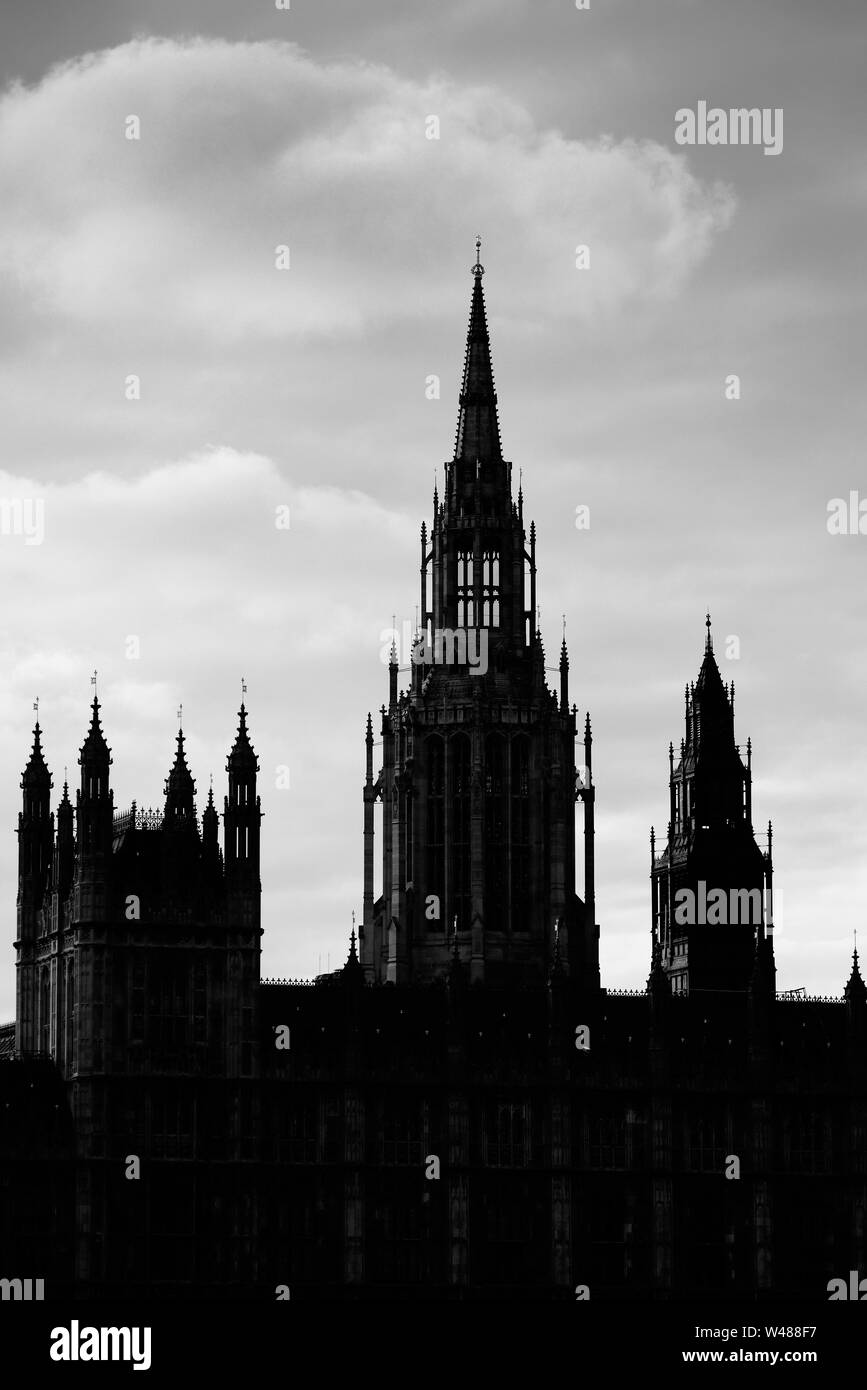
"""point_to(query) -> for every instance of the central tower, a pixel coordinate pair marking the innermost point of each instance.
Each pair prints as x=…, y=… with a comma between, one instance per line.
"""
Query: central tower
x=478, y=783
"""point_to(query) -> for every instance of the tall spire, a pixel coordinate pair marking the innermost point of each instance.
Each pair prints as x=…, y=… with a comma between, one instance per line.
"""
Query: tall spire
x=564, y=671
x=94, y=803
x=242, y=815
x=35, y=835
x=855, y=991
x=478, y=432
x=36, y=772
x=242, y=755
x=95, y=747
x=709, y=703
x=180, y=789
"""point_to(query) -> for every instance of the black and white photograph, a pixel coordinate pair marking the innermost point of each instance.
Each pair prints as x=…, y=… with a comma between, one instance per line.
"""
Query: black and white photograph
x=433, y=644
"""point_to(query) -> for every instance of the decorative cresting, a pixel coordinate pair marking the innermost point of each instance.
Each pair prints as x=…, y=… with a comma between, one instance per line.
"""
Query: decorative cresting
x=478, y=782
x=138, y=818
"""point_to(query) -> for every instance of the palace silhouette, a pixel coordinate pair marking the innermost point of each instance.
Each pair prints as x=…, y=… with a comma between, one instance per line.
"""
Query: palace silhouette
x=463, y=1110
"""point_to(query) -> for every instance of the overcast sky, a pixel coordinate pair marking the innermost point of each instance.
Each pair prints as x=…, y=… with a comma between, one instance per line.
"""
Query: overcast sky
x=305, y=388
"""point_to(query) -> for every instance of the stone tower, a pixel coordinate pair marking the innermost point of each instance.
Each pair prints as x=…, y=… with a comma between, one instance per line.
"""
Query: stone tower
x=712, y=884
x=479, y=783
x=139, y=948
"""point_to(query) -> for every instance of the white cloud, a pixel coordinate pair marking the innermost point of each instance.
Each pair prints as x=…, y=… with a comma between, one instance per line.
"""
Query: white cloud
x=248, y=146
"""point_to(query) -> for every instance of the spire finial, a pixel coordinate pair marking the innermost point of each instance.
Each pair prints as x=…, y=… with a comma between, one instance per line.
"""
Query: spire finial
x=708, y=644
x=93, y=683
x=478, y=268
x=855, y=991
x=243, y=691
x=36, y=707
x=180, y=717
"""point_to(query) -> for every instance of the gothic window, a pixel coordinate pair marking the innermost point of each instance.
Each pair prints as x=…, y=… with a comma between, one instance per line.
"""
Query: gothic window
x=301, y=1139
x=168, y=1013
x=520, y=838
x=98, y=985
x=403, y=1130
x=807, y=1146
x=608, y=1225
x=137, y=1016
x=507, y=1240
x=460, y=831
x=408, y=844
x=495, y=834
x=246, y=1042
x=491, y=589
x=172, y=1225
x=45, y=1011
x=436, y=821
x=172, y=1122
x=200, y=1003
x=69, y=1007
x=700, y=1232
x=404, y=1244
x=707, y=1143
x=608, y=1141
x=466, y=605
x=331, y=1130
x=507, y=1134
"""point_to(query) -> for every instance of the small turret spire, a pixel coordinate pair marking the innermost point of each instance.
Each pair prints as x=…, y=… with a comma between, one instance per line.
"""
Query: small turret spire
x=353, y=954
x=855, y=991
x=242, y=754
x=180, y=789
x=564, y=672
x=36, y=770
x=210, y=808
x=95, y=746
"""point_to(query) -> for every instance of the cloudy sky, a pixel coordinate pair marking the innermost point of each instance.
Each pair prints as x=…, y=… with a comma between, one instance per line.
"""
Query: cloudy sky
x=264, y=388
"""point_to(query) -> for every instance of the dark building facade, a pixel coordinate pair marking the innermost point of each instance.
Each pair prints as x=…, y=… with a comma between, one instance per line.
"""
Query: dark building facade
x=463, y=1111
